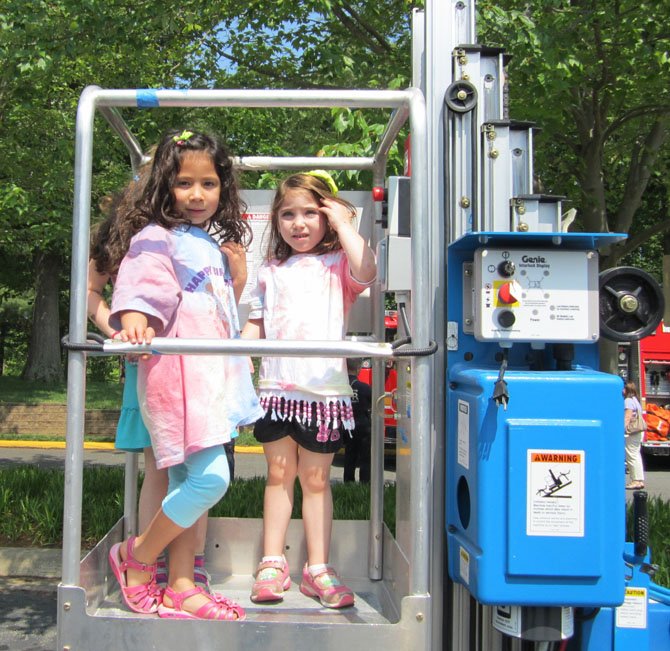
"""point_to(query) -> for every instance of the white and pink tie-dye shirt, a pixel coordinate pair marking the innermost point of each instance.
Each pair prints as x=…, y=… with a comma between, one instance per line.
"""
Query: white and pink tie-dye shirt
x=307, y=297
x=180, y=279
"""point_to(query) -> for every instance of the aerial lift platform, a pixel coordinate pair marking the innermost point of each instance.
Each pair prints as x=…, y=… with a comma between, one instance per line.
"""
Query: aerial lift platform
x=509, y=534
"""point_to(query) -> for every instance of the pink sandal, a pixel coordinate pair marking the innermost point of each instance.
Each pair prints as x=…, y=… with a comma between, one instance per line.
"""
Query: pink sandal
x=143, y=598
x=272, y=580
x=327, y=588
x=218, y=607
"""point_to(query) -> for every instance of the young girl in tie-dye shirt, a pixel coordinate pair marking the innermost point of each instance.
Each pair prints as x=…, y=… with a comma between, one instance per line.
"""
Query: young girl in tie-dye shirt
x=317, y=266
x=174, y=282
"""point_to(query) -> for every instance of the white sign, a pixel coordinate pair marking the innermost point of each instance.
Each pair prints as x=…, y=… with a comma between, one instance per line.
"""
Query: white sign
x=464, y=434
x=555, y=493
x=507, y=619
x=633, y=612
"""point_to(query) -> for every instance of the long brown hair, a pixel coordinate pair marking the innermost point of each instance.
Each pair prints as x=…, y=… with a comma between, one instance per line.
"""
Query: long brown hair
x=278, y=248
x=157, y=203
x=630, y=390
x=111, y=238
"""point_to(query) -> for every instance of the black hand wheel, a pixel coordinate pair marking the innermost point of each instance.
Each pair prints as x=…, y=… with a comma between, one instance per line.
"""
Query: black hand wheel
x=631, y=304
x=461, y=96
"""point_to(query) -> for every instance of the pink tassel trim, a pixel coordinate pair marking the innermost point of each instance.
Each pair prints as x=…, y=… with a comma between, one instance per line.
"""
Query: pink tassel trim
x=329, y=417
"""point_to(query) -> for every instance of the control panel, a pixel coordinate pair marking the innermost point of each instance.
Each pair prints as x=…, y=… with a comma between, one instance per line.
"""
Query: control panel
x=541, y=295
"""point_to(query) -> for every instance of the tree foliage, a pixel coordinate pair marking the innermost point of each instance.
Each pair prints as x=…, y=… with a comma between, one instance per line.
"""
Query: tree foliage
x=592, y=73
x=595, y=76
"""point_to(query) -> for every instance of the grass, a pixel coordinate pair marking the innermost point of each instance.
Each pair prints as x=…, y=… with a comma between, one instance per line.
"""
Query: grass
x=99, y=395
x=31, y=504
x=31, y=508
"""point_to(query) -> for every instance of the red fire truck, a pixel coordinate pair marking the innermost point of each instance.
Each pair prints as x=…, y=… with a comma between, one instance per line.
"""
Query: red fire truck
x=654, y=373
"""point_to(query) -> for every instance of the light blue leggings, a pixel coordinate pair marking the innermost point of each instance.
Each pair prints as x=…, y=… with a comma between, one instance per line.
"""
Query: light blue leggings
x=196, y=485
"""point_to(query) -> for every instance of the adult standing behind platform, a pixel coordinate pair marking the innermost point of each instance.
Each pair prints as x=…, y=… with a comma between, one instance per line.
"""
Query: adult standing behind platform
x=634, y=429
x=357, y=443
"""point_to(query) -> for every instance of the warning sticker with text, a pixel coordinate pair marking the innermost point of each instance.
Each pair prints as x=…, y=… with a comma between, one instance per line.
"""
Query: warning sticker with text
x=555, y=493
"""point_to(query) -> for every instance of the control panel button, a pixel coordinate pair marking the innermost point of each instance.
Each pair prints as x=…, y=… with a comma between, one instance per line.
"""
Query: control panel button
x=506, y=268
x=509, y=293
x=506, y=318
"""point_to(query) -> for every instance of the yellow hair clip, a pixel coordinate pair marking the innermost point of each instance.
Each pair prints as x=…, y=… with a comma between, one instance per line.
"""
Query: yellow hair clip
x=326, y=178
x=182, y=137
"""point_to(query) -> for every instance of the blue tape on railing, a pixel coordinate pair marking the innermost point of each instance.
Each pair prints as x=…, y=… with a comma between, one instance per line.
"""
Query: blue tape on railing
x=147, y=99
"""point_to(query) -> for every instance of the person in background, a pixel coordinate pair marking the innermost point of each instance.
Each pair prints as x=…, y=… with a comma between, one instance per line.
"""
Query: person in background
x=173, y=281
x=634, y=431
x=357, y=444
x=317, y=264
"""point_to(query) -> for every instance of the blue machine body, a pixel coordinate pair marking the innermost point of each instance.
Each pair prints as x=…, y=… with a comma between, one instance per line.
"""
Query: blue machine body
x=537, y=511
x=535, y=504
x=641, y=623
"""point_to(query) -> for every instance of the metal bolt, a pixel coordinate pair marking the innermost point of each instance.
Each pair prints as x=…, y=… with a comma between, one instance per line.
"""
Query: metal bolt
x=629, y=303
x=419, y=617
x=468, y=321
x=521, y=209
x=67, y=605
x=494, y=153
x=464, y=202
x=467, y=272
x=462, y=95
x=522, y=227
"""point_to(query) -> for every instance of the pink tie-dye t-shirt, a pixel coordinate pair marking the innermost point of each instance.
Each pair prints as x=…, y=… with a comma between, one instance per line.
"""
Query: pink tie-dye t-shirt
x=307, y=297
x=180, y=279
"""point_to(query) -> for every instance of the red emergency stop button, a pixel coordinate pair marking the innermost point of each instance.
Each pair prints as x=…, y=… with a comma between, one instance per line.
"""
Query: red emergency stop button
x=509, y=293
x=378, y=193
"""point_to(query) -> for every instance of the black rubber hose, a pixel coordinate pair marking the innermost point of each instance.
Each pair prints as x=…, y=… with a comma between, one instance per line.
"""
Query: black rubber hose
x=640, y=523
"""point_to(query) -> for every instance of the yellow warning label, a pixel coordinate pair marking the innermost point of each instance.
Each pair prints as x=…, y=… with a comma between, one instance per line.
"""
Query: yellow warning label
x=555, y=457
x=636, y=592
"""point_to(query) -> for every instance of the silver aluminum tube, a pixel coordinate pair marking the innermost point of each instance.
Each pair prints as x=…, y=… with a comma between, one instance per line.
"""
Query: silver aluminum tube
x=76, y=377
x=376, y=529
x=398, y=118
x=250, y=163
x=255, y=347
x=117, y=123
x=250, y=98
x=421, y=309
x=130, y=523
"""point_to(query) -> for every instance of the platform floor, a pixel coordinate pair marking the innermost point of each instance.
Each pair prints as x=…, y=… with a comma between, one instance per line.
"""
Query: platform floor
x=295, y=607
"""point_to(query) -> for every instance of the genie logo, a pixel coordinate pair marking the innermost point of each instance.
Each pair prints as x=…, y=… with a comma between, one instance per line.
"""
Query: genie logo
x=533, y=259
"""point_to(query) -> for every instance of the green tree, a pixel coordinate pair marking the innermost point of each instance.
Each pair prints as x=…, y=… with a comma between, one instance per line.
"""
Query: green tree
x=595, y=76
x=51, y=51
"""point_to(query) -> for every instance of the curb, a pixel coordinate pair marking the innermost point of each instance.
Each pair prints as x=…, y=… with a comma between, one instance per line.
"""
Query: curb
x=30, y=562
x=60, y=445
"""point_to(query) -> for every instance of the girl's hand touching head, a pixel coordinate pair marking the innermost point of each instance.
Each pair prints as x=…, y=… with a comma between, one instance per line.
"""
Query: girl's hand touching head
x=336, y=213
